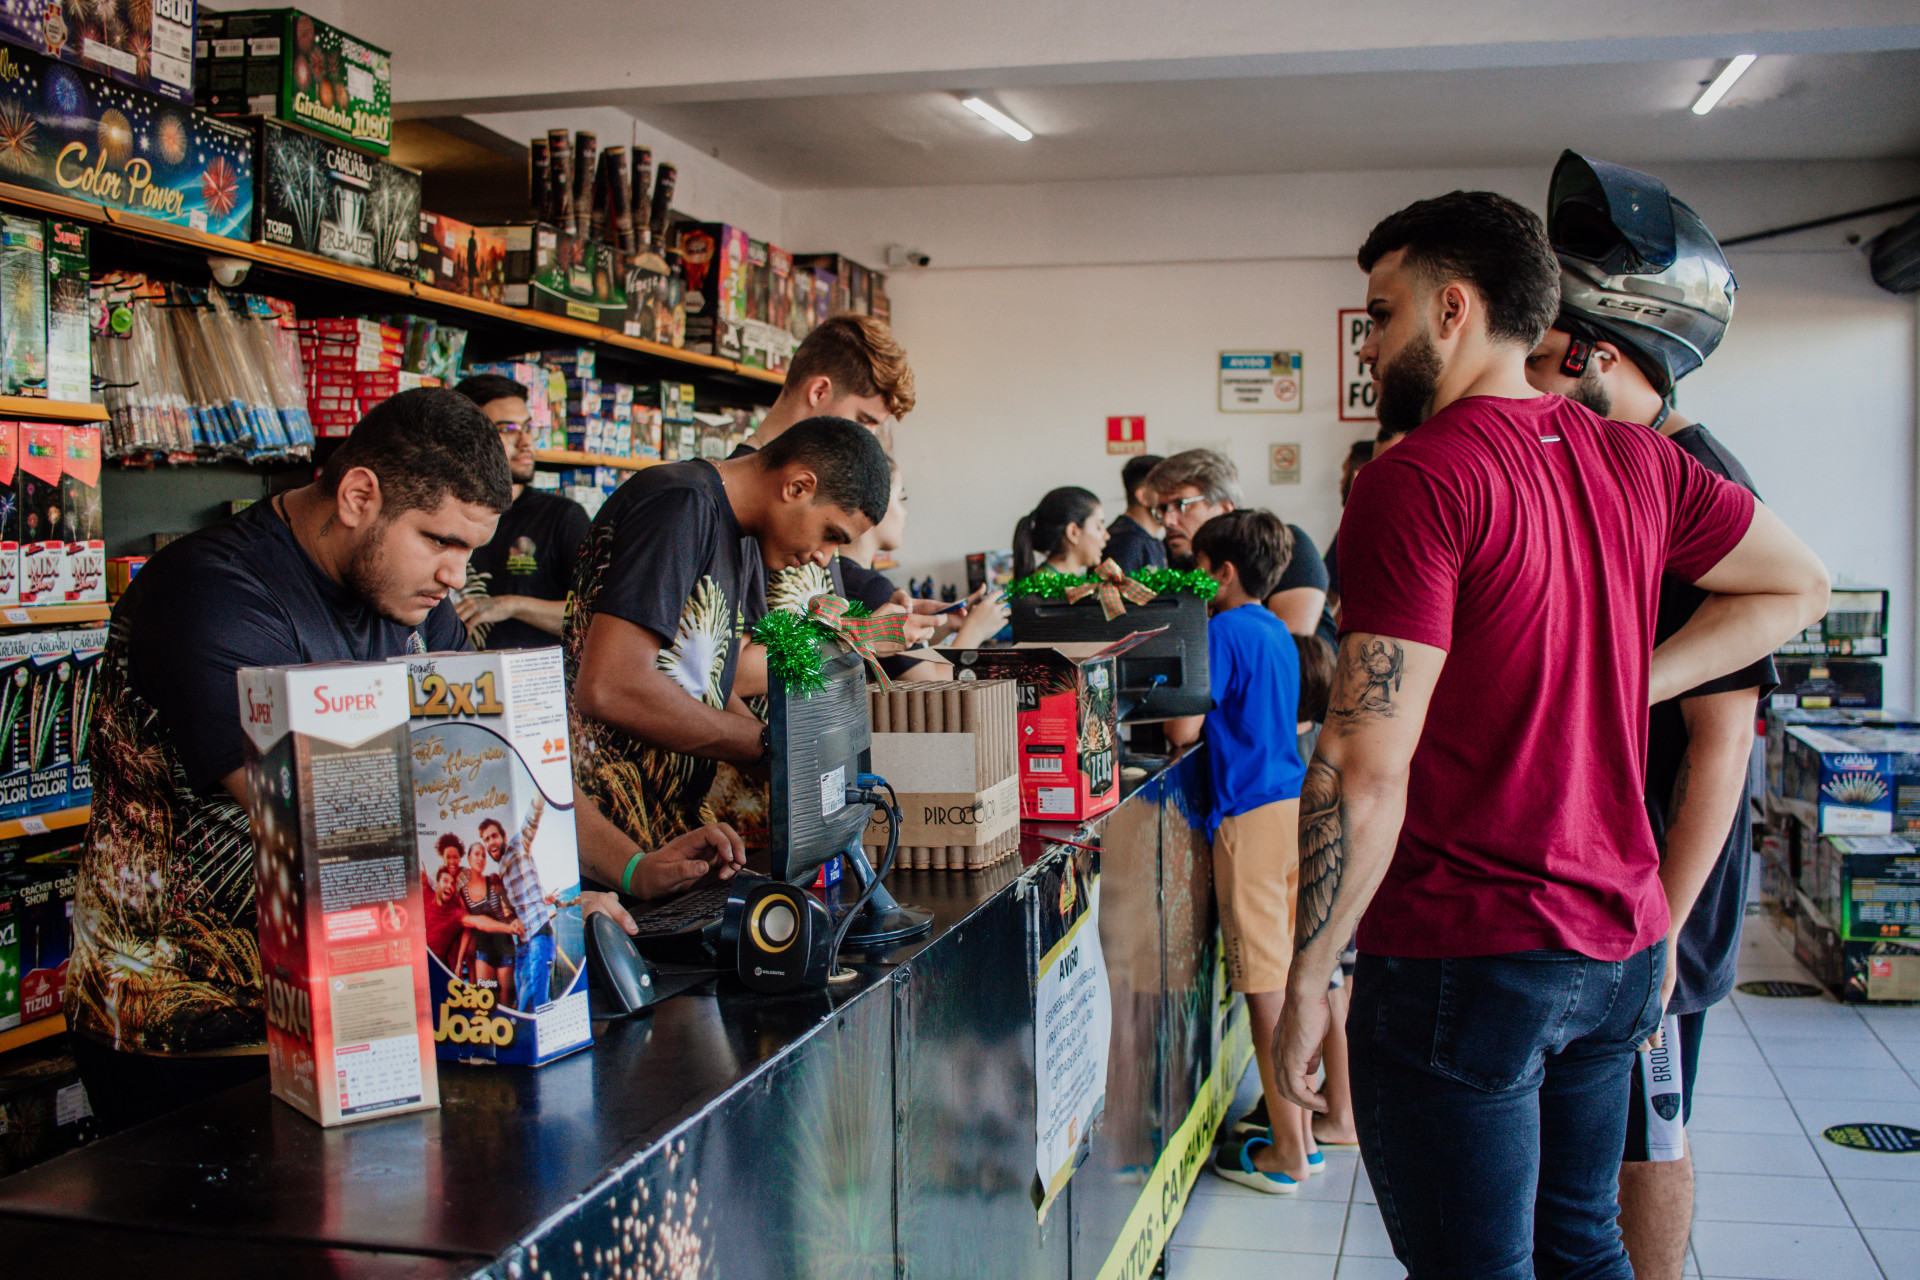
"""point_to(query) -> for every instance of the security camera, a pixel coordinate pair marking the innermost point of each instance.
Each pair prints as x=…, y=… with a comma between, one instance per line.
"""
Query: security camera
x=901, y=256
x=228, y=272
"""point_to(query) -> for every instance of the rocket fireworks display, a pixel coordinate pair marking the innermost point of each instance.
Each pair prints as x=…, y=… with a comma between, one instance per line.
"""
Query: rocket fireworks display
x=64, y=131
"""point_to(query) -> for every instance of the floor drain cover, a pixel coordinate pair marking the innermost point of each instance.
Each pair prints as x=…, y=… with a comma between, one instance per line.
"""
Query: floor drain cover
x=1778, y=989
x=1894, y=1139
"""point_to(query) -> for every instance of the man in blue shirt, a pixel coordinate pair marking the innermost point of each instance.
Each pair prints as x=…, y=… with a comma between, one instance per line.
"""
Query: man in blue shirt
x=1254, y=760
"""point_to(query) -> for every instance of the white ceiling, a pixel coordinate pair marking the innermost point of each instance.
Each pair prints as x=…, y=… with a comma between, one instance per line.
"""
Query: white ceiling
x=1812, y=107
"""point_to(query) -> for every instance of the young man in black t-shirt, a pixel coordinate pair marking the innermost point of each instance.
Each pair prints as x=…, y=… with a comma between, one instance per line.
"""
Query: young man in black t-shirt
x=1133, y=539
x=1699, y=744
x=652, y=642
x=516, y=590
x=164, y=992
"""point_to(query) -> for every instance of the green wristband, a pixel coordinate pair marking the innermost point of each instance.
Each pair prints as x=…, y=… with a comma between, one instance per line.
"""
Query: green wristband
x=626, y=877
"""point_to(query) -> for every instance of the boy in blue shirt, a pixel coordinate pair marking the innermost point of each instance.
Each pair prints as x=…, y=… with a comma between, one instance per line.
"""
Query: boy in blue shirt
x=1254, y=759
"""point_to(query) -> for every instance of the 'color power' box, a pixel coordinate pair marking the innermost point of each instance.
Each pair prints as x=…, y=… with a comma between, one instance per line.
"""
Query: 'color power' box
x=494, y=827
x=342, y=951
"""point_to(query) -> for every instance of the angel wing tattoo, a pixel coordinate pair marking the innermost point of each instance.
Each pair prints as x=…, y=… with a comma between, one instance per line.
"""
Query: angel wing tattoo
x=1323, y=851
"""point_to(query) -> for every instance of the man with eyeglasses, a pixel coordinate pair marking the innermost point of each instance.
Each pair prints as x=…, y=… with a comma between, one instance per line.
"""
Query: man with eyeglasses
x=517, y=585
x=1195, y=486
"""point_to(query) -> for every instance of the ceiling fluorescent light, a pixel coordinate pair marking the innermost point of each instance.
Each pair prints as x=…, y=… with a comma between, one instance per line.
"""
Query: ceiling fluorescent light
x=998, y=118
x=1718, y=89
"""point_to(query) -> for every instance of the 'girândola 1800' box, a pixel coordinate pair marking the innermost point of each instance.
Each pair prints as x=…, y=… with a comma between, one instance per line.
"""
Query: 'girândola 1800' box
x=335, y=200
x=343, y=954
x=493, y=813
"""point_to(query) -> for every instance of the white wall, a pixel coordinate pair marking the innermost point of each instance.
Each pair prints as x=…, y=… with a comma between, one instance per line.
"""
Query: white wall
x=1049, y=307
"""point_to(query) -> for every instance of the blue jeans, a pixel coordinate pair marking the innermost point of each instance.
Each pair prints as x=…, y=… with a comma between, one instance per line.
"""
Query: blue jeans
x=1491, y=1098
x=533, y=970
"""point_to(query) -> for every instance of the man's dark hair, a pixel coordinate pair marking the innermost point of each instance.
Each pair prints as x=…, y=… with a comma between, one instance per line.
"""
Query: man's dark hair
x=424, y=446
x=1316, y=677
x=496, y=824
x=1134, y=474
x=484, y=388
x=1257, y=544
x=846, y=459
x=1486, y=240
x=1360, y=452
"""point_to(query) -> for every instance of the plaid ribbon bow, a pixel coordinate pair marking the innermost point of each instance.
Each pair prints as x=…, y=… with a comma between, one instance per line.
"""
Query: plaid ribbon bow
x=859, y=634
x=1113, y=585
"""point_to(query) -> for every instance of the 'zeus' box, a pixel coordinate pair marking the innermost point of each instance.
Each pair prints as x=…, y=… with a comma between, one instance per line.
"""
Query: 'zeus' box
x=342, y=949
x=493, y=822
x=1067, y=722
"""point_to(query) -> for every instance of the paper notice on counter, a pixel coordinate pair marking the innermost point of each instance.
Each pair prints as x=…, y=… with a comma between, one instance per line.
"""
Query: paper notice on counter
x=1072, y=1026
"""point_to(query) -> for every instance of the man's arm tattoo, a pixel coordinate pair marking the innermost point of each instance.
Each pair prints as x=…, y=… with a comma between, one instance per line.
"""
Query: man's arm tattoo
x=1323, y=850
x=1369, y=676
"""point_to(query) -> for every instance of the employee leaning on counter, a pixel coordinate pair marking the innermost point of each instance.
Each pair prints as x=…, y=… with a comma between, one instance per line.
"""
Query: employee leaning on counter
x=164, y=991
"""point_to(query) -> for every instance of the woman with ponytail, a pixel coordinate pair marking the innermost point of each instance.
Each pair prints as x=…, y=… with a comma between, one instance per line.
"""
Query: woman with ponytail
x=1067, y=532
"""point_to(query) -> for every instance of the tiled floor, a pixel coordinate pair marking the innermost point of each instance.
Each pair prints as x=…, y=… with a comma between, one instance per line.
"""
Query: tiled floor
x=1775, y=1200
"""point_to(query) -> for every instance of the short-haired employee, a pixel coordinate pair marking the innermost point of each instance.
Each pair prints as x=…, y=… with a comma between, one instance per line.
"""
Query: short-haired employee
x=516, y=590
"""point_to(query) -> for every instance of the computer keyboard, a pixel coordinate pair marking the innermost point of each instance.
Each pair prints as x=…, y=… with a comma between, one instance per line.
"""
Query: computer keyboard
x=696, y=907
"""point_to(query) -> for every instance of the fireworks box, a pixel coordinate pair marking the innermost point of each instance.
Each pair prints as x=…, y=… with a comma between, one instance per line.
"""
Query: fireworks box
x=16, y=743
x=85, y=648
x=83, y=578
x=39, y=487
x=1859, y=972
x=23, y=305
x=9, y=514
x=69, y=319
x=342, y=946
x=493, y=819
x=1067, y=721
x=656, y=302
x=43, y=1106
x=715, y=258
x=1868, y=887
x=1852, y=780
x=76, y=135
x=42, y=900
x=553, y=270
x=1817, y=683
x=991, y=569
x=147, y=44
x=285, y=64
x=1855, y=626
x=849, y=285
x=950, y=750
x=333, y=199
x=50, y=720
x=462, y=258
x=1780, y=719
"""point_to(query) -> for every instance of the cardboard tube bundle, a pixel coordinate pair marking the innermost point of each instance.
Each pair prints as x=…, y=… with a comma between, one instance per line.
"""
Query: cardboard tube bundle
x=967, y=785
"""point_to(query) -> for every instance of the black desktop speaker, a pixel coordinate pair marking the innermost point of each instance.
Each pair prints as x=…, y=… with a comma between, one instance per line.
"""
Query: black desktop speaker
x=1162, y=676
x=786, y=937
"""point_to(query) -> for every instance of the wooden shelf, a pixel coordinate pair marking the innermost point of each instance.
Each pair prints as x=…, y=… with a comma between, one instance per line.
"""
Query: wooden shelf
x=41, y=823
x=312, y=266
x=33, y=1032
x=570, y=458
x=40, y=615
x=55, y=410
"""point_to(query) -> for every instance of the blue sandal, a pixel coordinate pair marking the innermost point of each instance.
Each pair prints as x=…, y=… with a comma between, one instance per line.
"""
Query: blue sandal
x=1234, y=1162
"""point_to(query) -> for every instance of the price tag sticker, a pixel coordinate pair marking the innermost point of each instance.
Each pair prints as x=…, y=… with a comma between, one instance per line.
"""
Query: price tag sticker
x=34, y=826
x=18, y=616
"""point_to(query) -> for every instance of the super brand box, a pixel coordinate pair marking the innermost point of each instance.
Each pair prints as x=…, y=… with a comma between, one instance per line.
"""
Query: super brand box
x=343, y=950
x=493, y=822
x=1067, y=722
x=281, y=62
x=147, y=44
x=335, y=200
x=1852, y=781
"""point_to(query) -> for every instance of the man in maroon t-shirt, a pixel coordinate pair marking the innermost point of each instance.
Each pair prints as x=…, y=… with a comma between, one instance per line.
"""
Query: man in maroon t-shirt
x=1474, y=803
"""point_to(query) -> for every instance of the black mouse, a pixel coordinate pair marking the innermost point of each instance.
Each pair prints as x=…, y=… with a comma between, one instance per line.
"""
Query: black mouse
x=619, y=979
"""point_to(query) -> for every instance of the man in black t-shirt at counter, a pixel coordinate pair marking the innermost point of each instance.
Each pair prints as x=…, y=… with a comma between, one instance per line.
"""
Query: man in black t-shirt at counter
x=653, y=639
x=516, y=590
x=1133, y=539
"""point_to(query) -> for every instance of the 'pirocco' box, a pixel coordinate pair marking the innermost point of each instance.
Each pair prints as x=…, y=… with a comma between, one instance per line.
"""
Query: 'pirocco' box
x=493, y=817
x=342, y=949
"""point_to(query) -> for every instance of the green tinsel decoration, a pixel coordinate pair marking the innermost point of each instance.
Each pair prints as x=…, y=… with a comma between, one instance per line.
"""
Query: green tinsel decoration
x=792, y=642
x=1051, y=584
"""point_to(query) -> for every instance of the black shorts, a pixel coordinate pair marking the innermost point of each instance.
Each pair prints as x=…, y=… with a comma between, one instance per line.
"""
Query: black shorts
x=1657, y=1117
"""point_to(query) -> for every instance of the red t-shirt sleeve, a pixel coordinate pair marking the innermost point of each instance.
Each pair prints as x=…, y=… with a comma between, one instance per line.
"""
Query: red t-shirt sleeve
x=1709, y=515
x=1401, y=549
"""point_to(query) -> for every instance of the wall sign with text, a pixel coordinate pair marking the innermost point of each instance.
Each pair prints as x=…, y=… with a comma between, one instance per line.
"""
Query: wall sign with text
x=1357, y=391
x=1260, y=382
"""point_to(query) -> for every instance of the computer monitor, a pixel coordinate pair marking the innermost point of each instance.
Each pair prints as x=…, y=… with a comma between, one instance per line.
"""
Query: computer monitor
x=821, y=743
x=1165, y=675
